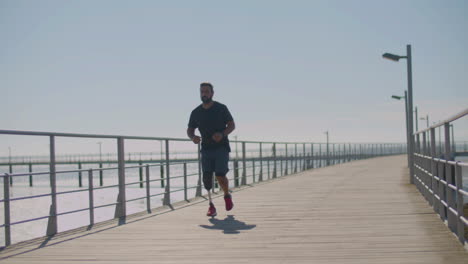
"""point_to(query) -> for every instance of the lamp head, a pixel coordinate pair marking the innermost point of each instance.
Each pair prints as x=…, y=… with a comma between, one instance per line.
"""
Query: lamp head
x=397, y=97
x=392, y=57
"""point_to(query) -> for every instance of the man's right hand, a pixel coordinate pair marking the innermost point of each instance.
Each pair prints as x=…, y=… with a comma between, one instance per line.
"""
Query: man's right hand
x=196, y=139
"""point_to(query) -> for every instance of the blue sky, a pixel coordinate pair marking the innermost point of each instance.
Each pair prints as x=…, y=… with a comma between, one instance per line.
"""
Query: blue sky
x=287, y=70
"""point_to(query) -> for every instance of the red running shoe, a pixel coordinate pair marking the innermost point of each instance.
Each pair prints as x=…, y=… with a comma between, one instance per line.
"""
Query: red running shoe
x=211, y=210
x=228, y=201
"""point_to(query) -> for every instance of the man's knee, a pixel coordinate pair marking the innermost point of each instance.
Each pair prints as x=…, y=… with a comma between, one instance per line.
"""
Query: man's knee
x=208, y=180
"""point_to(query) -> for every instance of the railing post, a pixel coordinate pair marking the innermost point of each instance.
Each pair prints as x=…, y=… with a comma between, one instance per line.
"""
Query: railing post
x=449, y=179
x=140, y=172
x=343, y=154
x=311, y=155
x=295, y=158
x=30, y=175
x=350, y=156
x=320, y=157
x=80, y=175
x=281, y=166
x=287, y=159
x=11, y=172
x=52, y=223
x=260, y=175
x=268, y=166
x=236, y=173
x=424, y=164
x=253, y=169
x=185, y=181
x=6, y=208
x=459, y=184
x=328, y=154
x=91, y=197
x=435, y=191
x=167, y=191
x=214, y=183
x=121, y=208
x=303, y=157
x=333, y=154
x=360, y=151
x=148, y=192
x=244, y=171
x=274, y=161
x=199, y=187
x=161, y=174
x=101, y=172
x=411, y=158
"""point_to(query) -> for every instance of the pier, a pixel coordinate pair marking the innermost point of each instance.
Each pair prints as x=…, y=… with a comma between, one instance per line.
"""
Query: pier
x=356, y=203
x=363, y=211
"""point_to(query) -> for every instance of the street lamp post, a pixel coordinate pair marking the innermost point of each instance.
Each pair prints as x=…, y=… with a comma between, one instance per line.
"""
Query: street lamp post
x=416, y=117
x=406, y=118
x=394, y=57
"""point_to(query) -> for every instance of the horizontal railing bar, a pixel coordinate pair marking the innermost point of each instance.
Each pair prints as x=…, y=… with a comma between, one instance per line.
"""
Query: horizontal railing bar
x=29, y=220
x=454, y=212
x=27, y=197
x=71, y=171
x=448, y=120
x=178, y=190
x=61, y=134
x=135, y=199
x=133, y=183
x=104, y=205
x=71, y=212
x=153, y=195
x=463, y=192
x=453, y=187
x=464, y=220
x=157, y=180
x=74, y=191
x=56, y=134
x=105, y=187
x=177, y=177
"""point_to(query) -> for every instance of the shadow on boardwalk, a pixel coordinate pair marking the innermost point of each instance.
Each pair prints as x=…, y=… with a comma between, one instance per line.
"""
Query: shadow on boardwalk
x=229, y=225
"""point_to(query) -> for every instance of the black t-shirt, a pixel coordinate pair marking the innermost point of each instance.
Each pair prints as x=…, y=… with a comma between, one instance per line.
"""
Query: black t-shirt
x=209, y=121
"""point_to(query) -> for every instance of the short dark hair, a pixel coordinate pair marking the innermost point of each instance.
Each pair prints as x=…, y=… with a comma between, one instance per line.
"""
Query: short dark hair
x=206, y=84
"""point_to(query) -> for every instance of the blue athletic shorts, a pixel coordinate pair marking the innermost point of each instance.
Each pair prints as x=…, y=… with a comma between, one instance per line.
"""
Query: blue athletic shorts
x=215, y=160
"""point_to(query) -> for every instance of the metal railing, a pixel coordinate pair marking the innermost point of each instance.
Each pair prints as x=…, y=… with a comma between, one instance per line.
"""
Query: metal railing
x=258, y=161
x=439, y=178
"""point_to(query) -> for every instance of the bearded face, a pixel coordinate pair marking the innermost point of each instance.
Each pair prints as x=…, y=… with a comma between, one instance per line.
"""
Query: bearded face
x=206, y=94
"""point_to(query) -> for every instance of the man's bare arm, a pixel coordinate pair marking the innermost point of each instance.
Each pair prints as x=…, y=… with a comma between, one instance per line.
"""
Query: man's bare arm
x=191, y=135
x=190, y=132
x=230, y=127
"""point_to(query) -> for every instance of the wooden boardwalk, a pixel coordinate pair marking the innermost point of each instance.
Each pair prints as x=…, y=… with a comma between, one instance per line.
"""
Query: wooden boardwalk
x=359, y=212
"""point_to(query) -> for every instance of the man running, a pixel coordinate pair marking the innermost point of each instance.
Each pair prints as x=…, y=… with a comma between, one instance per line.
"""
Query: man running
x=215, y=123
